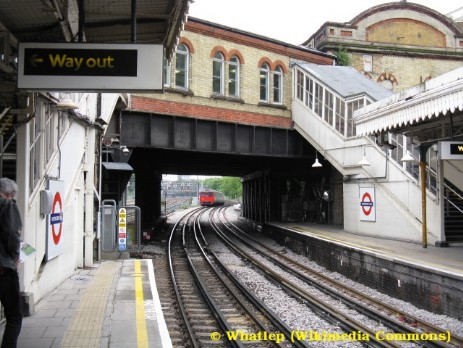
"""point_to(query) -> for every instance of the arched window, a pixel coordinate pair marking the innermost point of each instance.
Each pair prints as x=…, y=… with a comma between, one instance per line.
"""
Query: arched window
x=217, y=73
x=234, y=77
x=278, y=85
x=181, y=67
x=264, y=82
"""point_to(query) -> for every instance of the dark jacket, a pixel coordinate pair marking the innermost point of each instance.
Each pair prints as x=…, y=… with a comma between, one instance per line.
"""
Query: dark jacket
x=10, y=229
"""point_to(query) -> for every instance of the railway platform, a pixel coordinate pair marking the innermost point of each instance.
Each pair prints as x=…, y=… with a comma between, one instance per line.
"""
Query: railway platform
x=439, y=259
x=115, y=304
x=430, y=278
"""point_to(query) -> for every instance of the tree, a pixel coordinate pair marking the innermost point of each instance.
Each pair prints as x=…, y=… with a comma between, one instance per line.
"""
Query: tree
x=231, y=187
x=343, y=56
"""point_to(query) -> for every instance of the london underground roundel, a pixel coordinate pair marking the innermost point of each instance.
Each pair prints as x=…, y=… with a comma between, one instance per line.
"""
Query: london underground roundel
x=56, y=218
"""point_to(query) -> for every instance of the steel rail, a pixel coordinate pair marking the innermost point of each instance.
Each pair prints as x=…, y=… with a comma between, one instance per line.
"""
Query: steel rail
x=178, y=297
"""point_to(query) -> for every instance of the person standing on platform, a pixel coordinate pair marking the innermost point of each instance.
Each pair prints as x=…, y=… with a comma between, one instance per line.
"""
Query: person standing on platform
x=10, y=296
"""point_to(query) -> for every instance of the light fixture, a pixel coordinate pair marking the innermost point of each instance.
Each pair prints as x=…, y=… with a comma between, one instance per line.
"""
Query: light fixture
x=124, y=150
x=316, y=163
x=408, y=157
x=364, y=162
x=66, y=104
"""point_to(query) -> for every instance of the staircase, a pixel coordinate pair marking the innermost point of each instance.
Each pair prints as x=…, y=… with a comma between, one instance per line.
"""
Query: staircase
x=7, y=145
x=453, y=213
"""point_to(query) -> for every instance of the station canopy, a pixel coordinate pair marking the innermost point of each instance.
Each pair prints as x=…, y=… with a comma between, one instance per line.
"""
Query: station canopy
x=429, y=112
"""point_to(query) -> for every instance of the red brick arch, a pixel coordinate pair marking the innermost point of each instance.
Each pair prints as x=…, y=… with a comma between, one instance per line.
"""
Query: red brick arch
x=237, y=53
x=220, y=49
x=265, y=60
x=281, y=65
x=387, y=76
x=185, y=41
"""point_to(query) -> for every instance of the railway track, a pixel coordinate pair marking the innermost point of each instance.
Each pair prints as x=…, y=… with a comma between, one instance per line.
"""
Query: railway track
x=414, y=329
x=216, y=310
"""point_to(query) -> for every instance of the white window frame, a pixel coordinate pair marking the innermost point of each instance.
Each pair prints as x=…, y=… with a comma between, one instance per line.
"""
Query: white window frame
x=264, y=76
x=234, y=63
x=166, y=73
x=278, y=90
x=218, y=65
x=182, y=51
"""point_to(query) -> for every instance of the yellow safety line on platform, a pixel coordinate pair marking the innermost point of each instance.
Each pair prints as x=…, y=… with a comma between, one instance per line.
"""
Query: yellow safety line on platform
x=142, y=334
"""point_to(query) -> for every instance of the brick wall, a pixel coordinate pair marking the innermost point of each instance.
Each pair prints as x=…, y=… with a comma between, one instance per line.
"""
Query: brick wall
x=206, y=112
x=203, y=41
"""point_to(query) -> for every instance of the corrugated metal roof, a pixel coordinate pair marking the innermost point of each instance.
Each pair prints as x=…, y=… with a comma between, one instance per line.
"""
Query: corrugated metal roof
x=346, y=81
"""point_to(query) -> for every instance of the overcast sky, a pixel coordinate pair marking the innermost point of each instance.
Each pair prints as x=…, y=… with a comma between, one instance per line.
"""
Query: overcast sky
x=292, y=21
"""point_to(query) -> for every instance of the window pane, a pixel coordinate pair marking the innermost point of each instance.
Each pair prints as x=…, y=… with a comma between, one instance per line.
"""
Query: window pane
x=329, y=112
x=277, y=86
x=166, y=73
x=217, y=73
x=318, y=99
x=216, y=77
x=181, y=67
x=180, y=71
x=264, y=77
x=233, y=77
x=340, y=118
x=300, y=85
x=308, y=92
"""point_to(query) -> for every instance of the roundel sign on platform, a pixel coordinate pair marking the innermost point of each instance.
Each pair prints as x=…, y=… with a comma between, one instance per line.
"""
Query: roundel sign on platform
x=367, y=204
x=56, y=218
x=55, y=225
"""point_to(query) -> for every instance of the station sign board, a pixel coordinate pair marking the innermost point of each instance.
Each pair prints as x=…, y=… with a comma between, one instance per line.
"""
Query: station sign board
x=450, y=150
x=55, y=220
x=122, y=230
x=90, y=67
x=367, y=204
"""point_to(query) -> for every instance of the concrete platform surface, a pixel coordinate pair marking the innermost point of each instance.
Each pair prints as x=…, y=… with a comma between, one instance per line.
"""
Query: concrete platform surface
x=115, y=304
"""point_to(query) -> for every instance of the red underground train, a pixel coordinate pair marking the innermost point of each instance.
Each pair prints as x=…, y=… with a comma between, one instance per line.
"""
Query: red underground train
x=211, y=197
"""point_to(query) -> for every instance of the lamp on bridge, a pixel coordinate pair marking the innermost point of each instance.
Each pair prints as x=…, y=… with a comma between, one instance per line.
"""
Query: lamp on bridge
x=408, y=157
x=66, y=104
x=316, y=163
x=364, y=162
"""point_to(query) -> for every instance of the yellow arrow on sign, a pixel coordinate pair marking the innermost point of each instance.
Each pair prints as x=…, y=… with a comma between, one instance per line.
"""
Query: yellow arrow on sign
x=34, y=60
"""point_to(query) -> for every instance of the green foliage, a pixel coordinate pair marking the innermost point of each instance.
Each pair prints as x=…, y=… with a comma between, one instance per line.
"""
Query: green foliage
x=343, y=56
x=229, y=186
x=212, y=183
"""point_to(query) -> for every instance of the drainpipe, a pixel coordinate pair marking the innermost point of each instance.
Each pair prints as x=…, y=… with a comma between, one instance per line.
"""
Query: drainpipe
x=424, y=223
x=89, y=176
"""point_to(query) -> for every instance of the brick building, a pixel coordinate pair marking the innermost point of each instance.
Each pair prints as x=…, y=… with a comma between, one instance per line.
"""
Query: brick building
x=225, y=74
x=397, y=44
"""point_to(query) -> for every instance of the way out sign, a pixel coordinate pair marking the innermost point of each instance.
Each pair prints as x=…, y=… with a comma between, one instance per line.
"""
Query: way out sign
x=122, y=230
x=367, y=205
x=55, y=229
